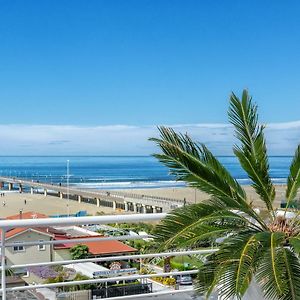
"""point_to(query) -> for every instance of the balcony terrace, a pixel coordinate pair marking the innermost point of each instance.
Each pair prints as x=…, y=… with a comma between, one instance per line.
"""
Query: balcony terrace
x=9, y=291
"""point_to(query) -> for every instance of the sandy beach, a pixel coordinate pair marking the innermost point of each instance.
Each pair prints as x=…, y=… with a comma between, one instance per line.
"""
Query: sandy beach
x=51, y=205
x=194, y=196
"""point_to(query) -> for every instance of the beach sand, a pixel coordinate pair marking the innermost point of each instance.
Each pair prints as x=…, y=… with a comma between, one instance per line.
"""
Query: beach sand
x=193, y=196
x=49, y=205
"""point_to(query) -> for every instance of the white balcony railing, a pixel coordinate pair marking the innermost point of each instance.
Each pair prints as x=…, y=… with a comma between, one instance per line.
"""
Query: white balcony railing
x=6, y=225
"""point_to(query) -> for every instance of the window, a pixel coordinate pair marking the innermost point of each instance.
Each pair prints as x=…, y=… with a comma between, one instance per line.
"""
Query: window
x=18, y=248
x=41, y=247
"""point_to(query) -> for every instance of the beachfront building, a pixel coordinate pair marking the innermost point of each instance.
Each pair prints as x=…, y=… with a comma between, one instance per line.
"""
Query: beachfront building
x=19, y=253
x=96, y=249
x=112, y=279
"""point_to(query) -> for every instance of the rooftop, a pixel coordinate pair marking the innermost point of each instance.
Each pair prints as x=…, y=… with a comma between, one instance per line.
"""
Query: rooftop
x=99, y=247
x=27, y=215
x=16, y=231
x=68, y=233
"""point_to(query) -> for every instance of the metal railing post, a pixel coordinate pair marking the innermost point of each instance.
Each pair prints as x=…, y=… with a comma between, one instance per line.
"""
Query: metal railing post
x=3, y=264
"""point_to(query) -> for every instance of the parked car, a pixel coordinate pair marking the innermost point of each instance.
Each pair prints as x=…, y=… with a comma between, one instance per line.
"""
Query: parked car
x=184, y=279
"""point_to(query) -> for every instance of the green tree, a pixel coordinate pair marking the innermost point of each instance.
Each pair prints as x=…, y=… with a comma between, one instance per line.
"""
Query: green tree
x=262, y=249
x=79, y=252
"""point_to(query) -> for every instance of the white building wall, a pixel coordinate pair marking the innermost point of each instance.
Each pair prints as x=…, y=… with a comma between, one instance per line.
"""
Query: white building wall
x=31, y=254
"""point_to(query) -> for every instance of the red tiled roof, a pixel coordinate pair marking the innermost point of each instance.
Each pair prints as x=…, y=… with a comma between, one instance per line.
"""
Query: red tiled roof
x=95, y=248
x=107, y=247
x=99, y=247
x=28, y=215
x=16, y=231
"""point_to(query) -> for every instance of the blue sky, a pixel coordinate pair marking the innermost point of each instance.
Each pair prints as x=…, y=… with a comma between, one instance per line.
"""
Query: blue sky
x=92, y=64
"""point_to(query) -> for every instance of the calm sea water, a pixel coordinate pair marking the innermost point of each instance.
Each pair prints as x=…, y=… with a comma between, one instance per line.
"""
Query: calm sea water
x=117, y=172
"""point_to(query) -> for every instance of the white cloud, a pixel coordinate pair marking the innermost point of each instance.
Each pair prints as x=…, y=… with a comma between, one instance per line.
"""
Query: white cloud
x=282, y=139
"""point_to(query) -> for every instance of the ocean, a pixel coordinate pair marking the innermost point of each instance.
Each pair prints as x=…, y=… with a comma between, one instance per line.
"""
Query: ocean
x=117, y=172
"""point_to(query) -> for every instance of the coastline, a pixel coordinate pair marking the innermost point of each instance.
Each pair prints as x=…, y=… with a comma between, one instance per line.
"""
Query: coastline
x=51, y=205
x=194, y=196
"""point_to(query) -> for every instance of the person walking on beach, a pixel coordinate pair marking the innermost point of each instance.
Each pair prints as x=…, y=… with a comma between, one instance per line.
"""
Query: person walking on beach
x=25, y=201
x=3, y=203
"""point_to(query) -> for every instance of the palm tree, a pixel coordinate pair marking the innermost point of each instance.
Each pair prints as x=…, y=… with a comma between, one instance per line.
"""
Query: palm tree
x=261, y=250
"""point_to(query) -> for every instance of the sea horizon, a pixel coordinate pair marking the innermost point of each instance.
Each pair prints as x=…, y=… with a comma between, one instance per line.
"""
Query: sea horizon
x=112, y=172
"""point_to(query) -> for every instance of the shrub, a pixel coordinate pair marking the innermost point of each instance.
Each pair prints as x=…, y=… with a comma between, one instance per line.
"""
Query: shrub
x=43, y=272
x=79, y=252
x=165, y=280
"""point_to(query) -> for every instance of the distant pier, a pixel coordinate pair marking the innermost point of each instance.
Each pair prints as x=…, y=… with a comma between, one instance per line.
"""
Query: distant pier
x=129, y=202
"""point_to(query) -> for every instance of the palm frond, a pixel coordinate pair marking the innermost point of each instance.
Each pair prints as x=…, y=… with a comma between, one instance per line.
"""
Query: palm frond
x=197, y=166
x=247, y=265
x=251, y=250
x=239, y=207
x=293, y=181
x=187, y=226
x=292, y=275
x=231, y=268
x=206, y=278
x=248, y=255
x=252, y=152
x=271, y=274
x=295, y=243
